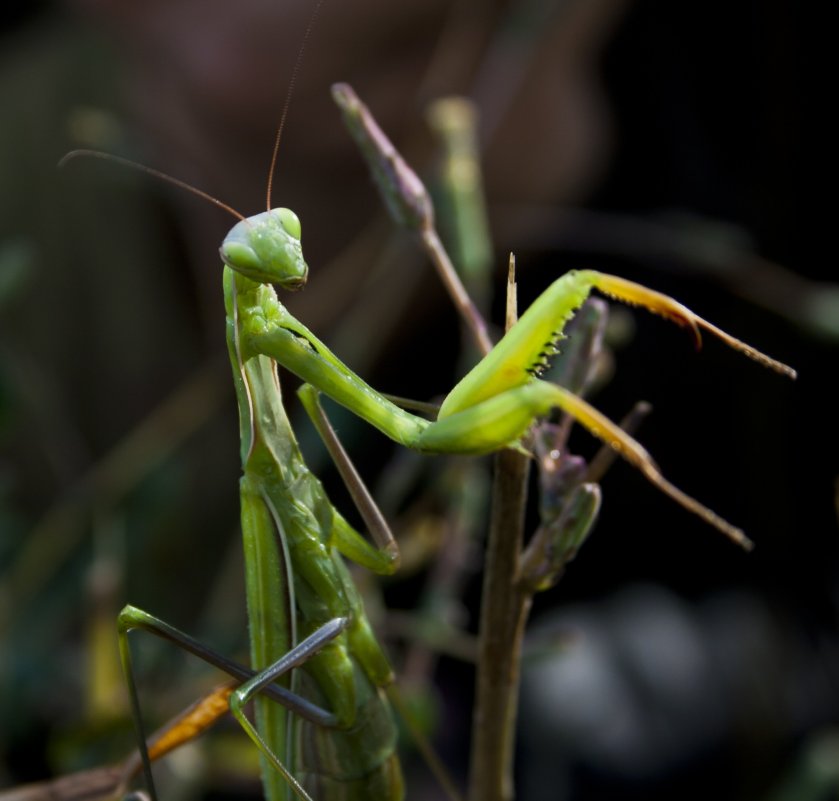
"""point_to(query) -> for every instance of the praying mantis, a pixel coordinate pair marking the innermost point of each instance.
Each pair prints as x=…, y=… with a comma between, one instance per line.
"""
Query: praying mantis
x=297, y=583
x=304, y=583
x=303, y=607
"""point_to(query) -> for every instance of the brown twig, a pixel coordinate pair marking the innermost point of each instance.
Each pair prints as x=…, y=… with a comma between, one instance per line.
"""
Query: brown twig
x=505, y=606
x=504, y=610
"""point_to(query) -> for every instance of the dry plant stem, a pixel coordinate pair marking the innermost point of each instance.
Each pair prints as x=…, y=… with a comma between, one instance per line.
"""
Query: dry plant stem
x=505, y=605
x=407, y=200
x=465, y=307
x=504, y=611
x=96, y=784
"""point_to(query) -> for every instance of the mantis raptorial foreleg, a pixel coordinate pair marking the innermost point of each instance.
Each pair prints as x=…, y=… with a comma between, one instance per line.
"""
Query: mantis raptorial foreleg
x=495, y=403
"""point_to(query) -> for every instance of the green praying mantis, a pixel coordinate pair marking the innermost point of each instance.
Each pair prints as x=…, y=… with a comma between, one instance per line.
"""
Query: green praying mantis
x=303, y=606
x=327, y=731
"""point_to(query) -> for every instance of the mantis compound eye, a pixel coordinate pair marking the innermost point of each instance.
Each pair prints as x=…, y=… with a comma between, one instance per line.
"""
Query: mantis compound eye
x=290, y=222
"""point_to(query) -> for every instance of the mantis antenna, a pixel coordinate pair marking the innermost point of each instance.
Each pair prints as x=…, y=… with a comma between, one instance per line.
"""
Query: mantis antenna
x=293, y=80
x=82, y=153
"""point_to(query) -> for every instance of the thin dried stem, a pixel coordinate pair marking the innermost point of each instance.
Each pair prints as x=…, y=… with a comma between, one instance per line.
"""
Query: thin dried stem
x=504, y=610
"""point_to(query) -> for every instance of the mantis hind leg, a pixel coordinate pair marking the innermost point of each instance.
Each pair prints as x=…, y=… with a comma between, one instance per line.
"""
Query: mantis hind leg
x=253, y=683
x=241, y=696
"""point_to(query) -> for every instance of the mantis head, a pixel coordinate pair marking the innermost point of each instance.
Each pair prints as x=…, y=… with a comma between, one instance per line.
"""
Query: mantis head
x=266, y=248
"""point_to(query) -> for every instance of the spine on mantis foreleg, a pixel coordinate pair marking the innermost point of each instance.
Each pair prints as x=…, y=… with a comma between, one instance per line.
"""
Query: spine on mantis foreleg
x=525, y=348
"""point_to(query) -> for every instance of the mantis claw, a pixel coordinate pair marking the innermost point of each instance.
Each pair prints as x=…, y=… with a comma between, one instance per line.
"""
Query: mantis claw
x=658, y=303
